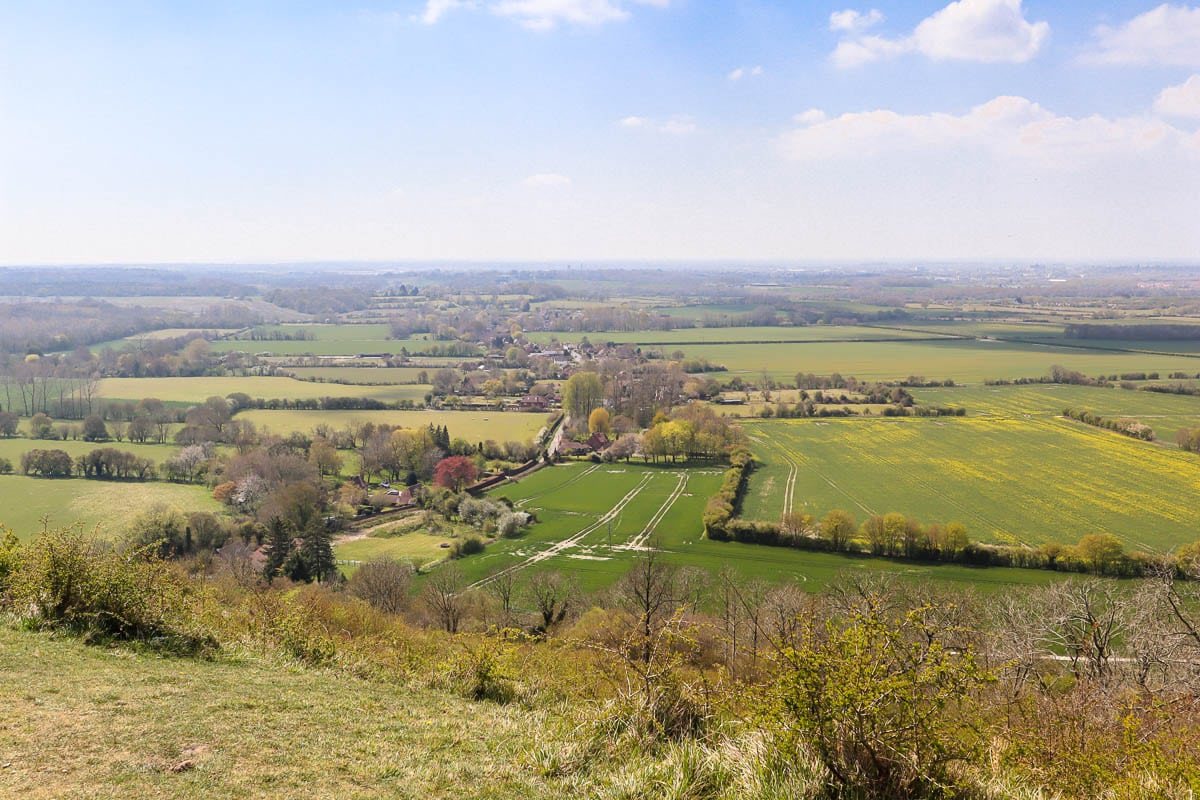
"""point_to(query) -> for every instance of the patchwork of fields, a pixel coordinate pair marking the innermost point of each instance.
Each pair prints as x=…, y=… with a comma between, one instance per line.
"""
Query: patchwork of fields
x=662, y=505
x=1008, y=480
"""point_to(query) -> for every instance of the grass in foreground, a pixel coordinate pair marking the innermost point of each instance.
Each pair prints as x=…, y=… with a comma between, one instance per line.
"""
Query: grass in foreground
x=80, y=722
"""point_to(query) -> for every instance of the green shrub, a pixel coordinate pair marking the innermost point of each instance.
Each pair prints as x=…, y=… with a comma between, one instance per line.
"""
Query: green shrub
x=466, y=546
x=10, y=560
x=71, y=582
x=886, y=706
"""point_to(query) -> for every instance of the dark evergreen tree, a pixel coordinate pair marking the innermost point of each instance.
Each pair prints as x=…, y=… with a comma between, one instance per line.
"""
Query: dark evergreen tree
x=279, y=547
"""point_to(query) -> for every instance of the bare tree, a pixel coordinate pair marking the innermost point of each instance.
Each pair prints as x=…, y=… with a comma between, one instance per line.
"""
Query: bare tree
x=384, y=583
x=443, y=596
x=651, y=591
x=236, y=559
x=503, y=587
x=1085, y=621
x=552, y=594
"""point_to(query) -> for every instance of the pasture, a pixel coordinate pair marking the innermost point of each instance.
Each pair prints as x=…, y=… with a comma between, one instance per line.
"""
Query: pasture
x=104, y=506
x=362, y=375
x=798, y=334
x=331, y=340
x=197, y=390
x=12, y=449
x=474, y=426
x=1011, y=480
x=575, y=503
x=415, y=547
x=963, y=360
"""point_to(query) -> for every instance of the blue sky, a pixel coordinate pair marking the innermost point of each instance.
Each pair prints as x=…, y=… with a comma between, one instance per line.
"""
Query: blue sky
x=599, y=129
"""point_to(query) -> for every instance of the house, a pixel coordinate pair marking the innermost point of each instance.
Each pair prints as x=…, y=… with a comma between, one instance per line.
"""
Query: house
x=598, y=441
x=533, y=402
x=399, y=497
x=569, y=447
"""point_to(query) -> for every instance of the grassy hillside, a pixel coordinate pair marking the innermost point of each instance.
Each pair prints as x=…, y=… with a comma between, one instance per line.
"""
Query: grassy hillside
x=100, y=723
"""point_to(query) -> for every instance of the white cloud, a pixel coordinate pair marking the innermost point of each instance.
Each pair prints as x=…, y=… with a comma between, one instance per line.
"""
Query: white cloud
x=679, y=125
x=1006, y=128
x=743, y=72
x=436, y=9
x=1180, y=101
x=547, y=180
x=852, y=21
x=967, y=30
x=1164, y=35
x=542, y=15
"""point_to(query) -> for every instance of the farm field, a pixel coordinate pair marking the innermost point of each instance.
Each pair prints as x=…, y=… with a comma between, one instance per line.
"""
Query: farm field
x=332, y=340
x=1163, y=412
x=474, y=426
x=197, y=390
x=417, y=547
x=12, y=449
x=573, y=502
x=162, y=333
x=105, y=506
x=361, y=375
x=1008, y=480
x=802, y=333
x=964, y=361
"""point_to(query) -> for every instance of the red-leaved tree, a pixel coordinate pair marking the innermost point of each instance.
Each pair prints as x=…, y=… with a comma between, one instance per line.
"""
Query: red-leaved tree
x=455, y=472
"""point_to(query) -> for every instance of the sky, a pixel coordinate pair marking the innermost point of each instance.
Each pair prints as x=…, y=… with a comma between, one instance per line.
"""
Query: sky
x=135, y=131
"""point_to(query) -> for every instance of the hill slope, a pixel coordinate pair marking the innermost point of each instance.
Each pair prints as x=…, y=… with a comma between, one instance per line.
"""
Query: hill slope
x=98, y=723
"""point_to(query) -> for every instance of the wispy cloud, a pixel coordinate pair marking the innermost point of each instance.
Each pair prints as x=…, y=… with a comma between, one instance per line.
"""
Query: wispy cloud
x=744, y=72
x=966, y=30
x=542, y=15
x=851, y=21
x=1164, y=35
x=1004, y=127
x=436, y=9
x=679, y=125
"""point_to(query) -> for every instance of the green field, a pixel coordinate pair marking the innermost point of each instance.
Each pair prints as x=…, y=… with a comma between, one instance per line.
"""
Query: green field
x=474, y=426
x=105, y=506
x=963, y=360
x=804, y=334
x=1166, y=413
x=12, y=449
x=332, y=340
x=197, y=390
x=571, y=502
x=361, y=375
x=416, y=547
x=1013, y=480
